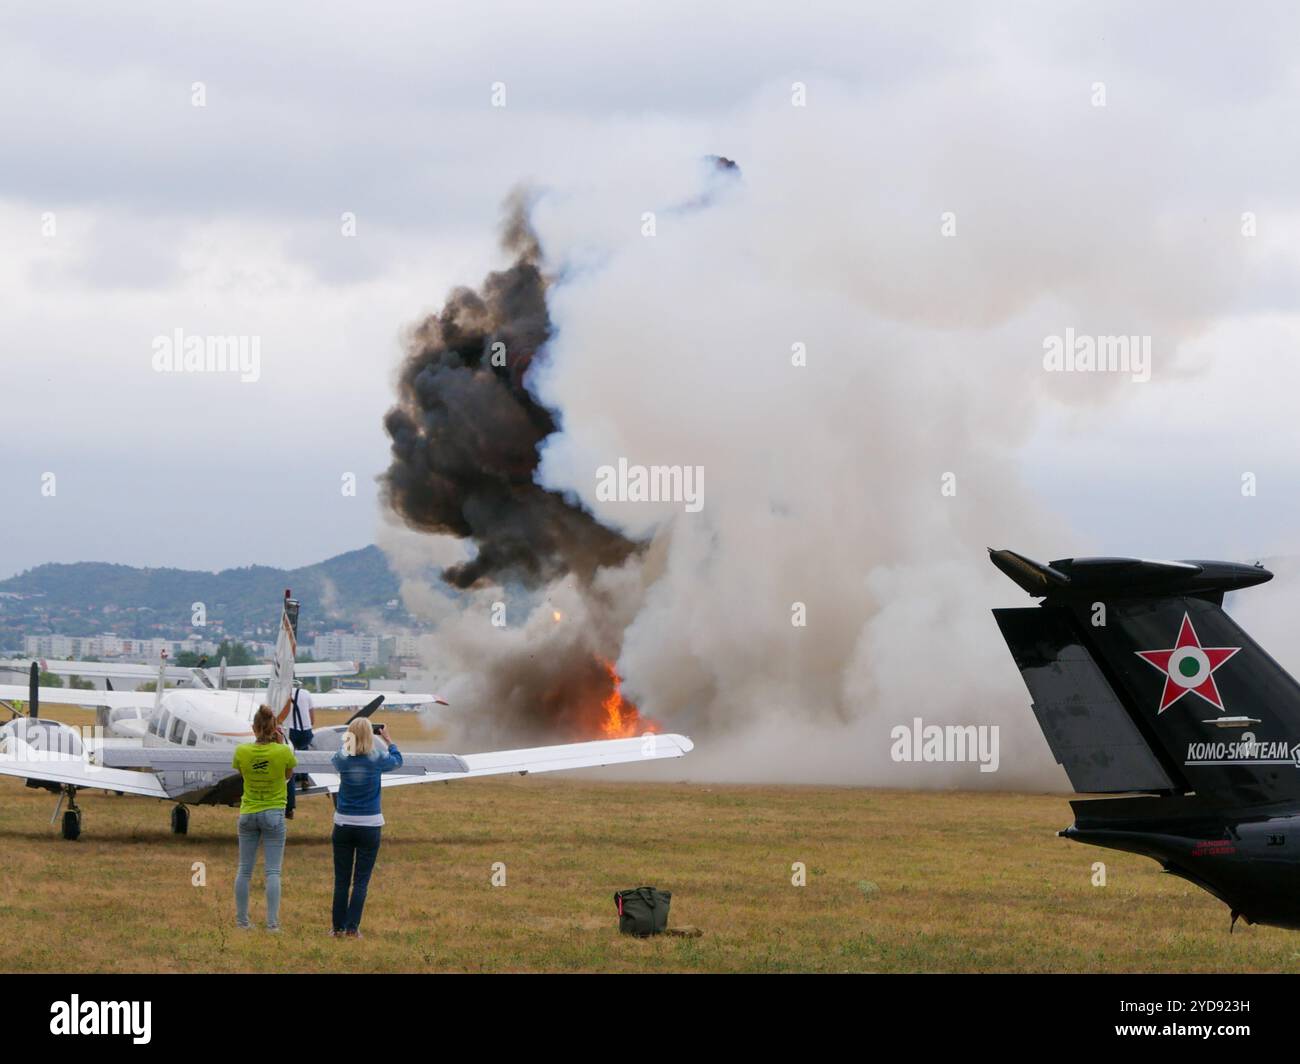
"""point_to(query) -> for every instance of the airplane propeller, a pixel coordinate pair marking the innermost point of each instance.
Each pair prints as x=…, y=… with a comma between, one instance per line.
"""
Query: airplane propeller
x=33, y=695
x=367, y=709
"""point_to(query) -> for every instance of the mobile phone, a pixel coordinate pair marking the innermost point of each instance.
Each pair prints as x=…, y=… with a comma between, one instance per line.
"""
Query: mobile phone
x=376, y=728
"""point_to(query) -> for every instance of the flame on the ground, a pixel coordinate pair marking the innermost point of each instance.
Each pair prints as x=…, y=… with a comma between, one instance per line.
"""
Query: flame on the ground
x=622, y=720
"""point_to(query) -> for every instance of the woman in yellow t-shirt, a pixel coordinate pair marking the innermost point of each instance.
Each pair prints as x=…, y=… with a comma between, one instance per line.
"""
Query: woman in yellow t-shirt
x=266, y=766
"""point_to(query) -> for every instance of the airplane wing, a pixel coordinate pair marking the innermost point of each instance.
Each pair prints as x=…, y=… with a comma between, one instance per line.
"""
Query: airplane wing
x=301, y=668
x=539, y=759
x=97, y=669
x=357, y=699
x=17, y=758
x=425, y=767
x=73, y=696
x=192, y=759
x=132, y=671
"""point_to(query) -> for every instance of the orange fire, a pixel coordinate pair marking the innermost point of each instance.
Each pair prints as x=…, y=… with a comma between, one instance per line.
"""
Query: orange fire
x=622, y=718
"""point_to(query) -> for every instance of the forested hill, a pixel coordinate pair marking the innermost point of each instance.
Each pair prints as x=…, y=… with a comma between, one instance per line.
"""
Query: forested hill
x=241, y=599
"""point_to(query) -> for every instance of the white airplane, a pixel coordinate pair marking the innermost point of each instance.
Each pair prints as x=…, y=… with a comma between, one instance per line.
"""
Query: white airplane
x=176, y=743
x=183, y=675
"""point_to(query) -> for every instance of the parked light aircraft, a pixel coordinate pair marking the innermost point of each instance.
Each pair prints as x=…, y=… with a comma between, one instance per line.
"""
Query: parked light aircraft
x=176, y=743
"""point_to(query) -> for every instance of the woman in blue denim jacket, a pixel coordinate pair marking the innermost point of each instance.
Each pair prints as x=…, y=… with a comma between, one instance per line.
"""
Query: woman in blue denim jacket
x=358, y=820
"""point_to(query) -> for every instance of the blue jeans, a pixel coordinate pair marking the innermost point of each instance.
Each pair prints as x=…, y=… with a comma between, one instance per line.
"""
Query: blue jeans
x=361, y=844
x=254, y=829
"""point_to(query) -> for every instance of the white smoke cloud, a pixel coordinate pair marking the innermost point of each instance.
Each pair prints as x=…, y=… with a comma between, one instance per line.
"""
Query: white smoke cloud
x=924, y=358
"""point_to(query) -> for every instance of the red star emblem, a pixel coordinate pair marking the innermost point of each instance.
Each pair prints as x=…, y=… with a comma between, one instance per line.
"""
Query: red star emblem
x=1188, y=667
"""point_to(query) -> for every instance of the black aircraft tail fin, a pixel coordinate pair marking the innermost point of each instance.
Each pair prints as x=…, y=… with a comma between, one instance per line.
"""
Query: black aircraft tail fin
x=1142, y=683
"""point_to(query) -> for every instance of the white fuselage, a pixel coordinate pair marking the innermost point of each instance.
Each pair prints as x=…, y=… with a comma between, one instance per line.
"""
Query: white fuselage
x=190, y=717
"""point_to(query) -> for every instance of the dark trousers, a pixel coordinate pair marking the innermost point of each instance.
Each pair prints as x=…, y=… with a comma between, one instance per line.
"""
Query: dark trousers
x=299, y=739
x=362, y=845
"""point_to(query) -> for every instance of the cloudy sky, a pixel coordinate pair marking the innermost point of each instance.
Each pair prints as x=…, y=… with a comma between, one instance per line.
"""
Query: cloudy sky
x=127, y=212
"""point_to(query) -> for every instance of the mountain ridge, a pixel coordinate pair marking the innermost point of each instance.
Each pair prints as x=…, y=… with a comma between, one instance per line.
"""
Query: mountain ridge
x=241, y=599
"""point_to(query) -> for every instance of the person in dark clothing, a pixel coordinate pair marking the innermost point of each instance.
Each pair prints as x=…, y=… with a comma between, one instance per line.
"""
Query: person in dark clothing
x=358, y=819
x=302, y=722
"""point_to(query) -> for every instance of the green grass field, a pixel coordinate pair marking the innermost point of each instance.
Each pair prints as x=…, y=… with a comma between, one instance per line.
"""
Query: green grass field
x=896, y=882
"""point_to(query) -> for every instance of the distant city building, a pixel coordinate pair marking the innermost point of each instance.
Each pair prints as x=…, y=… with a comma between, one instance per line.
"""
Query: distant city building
x=111, y=646
x=403, y=647
x=345, y=646
x=192, y=644
x=51, y=646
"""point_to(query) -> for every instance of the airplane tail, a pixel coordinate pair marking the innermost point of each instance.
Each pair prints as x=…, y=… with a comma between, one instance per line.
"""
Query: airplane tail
x=279, y=690
x=1142, y=683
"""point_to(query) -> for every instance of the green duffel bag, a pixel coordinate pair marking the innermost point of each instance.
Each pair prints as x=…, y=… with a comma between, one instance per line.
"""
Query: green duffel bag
x=643, y=911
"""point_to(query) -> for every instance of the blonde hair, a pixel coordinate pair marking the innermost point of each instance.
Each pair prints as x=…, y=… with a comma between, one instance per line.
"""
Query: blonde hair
x=264, y=724
x=359, y=739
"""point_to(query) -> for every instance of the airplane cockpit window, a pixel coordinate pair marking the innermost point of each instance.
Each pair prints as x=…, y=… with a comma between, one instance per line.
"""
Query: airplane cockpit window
x=191, y=737
x=177, y=732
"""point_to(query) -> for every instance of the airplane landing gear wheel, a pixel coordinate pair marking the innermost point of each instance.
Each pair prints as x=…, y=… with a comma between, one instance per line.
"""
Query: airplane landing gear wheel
x=180, y=820
x=71, y=815
x=72, y=825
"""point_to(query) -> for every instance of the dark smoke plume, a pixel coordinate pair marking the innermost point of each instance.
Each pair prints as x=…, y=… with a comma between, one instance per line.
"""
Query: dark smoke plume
x=466, y=430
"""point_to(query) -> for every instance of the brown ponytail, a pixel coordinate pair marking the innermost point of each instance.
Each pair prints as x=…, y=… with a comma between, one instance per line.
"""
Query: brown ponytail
x=264, y=724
